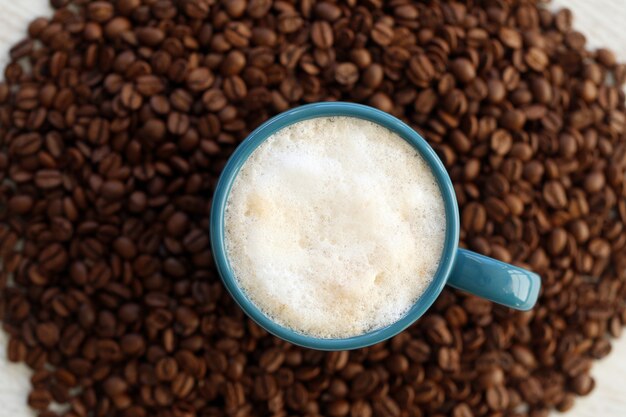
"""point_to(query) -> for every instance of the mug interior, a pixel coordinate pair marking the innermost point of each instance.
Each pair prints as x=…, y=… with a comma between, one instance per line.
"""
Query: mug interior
x=327, y=109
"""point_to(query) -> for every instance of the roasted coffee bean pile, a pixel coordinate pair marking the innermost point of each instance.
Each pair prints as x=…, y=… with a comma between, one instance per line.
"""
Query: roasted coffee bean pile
x=117, y=117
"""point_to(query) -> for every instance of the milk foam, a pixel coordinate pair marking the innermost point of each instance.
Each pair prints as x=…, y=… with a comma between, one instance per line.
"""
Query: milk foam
x=335, y=226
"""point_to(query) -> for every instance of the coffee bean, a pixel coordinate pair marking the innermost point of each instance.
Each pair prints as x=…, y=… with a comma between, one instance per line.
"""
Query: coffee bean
x=322, y=34
x=182, y=385
x=462, y=410
x=421, y=70
x=448, y=359
x=583, y=384
x=536, y=59
x=271, y=360
x=327, y=11
x=235, y=61
x=114, y=386
x=605, y=57
x=346, y=73
x=20, y=204
x=47, y=179
x=150, y=36
x=501, y=142
x=594, y=182
x=199, y=79
x=47, y=334
x=39, y=399
x=100, y=11
x=382, y=33
x=513, y=120
x=133, y=344
x=166, y=369
x=566, y=403
x=125, y=247
x=129, y=98
x=510, y=37
x=474, y=217
x=463, y=70
x=386, y=407
x=53, y=258
x=381, y=101
x=26, y=144
x=265, y=387
x=177, y=123
x=112, y=190
x=373, y=76
x=554, y=194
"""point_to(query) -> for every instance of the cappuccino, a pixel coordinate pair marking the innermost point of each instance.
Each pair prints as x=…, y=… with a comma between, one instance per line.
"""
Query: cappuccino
x=334, y=227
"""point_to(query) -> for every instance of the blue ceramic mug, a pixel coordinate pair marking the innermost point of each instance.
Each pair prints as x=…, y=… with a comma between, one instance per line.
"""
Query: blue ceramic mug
x=477, y=274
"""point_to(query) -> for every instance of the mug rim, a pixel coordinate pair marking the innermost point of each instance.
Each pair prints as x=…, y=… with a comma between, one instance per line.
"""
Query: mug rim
x=328, y=109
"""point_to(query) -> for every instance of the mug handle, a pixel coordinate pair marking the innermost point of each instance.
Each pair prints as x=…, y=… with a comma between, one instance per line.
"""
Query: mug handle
x=496, y=281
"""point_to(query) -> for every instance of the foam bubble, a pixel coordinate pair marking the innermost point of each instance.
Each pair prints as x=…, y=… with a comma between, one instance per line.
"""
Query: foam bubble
x=335, y=226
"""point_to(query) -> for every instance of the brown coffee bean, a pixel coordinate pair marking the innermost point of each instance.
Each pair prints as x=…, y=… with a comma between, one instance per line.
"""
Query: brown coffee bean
x=554, y=194
x=492, y=377
x=463, y=70
x=125, y=247
x=114, y=386
x=536, y=59
x=234, y=63
x=149, y=85
x=47, y=179
x=214, y=100
x=449, y=359
x=166, y=369
x=199, y=79
x=557, y=241
x=510, y=37
x=130, y=98
x=182, y=385
x=421, y=70
x=594, y=182
x=48, y=334
x=20, y=204
x=177, y=123
x=501, y=142
x=53, y=258
x=100, y=11
x=373, y=76
x=346, y=73
x=265, y=387
x=112, y=190
x=381, y=101
x=133, y=344
x=513, y=120
x=542, y=90
x=39, y=399
x=271, y=360
x=386, y=407
x=137, y=201
x=322, y=34
x=566, y=403
x=474, y=217
x=149, y=36
x=606, y=57
x=583, y=384
x=26, y=144
x=462, y=410
x=382, y=33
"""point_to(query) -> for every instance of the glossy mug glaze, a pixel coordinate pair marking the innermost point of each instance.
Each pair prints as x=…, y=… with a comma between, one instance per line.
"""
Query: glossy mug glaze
x=477, y=274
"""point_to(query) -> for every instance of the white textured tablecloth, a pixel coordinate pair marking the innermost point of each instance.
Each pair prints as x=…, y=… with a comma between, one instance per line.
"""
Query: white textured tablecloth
x=602, y=21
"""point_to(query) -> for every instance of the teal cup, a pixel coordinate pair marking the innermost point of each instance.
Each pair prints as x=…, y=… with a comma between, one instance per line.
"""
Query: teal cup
x=485, y=277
